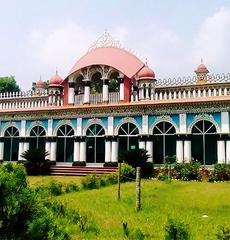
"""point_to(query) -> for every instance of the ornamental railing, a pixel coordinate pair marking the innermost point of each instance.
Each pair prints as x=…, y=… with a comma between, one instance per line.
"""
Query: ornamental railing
x=191, y=80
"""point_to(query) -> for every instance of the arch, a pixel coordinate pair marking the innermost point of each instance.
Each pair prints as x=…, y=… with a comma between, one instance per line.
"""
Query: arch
x=128, y=137
x=165, y=119
x=65, y=143
x=37, y=137
x=95, y=143
x=10, y=124
x=94, y=121
x=34, y=124
x=205, y=117
x=204, y=142
x=63, y=122
x=11, y=143
x=164, y=141
x=127, y=120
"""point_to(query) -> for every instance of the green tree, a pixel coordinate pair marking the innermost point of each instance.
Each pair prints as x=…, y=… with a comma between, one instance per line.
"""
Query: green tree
x=8, y=84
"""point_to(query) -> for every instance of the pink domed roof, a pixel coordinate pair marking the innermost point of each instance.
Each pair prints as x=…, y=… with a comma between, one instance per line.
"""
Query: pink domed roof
x=40, y=84
x=55, y=81
x=146, y=73
x=118, y=58
x=201, y=69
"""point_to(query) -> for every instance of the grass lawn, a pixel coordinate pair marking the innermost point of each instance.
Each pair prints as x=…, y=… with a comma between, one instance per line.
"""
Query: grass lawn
x=186, y=201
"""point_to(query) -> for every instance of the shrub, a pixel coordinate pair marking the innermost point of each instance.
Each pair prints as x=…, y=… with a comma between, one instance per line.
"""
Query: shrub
x=90, y=181
x=147, y=170
x=175, y=230
x=223, y=233
x=71, y=187
x=109, y=179
x=127, y=172
x=187, y=171
x=35, y=163
x=222, y=172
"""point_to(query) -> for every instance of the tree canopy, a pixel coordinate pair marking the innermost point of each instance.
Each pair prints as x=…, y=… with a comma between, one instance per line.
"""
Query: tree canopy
x=8, y=84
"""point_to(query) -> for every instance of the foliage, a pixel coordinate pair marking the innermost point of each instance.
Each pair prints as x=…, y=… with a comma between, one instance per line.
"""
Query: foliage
x=223, y=233
x=175, y=230
x=170, y=159
x=135, y=234
x=22, y=214
x=187, y=171
x=221, y=172
x=135, y=158
x=8, y=84
x=113, y=85
x=127, y=172
x=36, y=162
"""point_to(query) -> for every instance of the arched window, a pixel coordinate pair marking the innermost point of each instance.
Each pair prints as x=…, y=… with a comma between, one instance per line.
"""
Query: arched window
x=95, y=144
x=37, y=137
x=11, y=143
x=204, y=142
x=65, y=143
x=127, y=137
x=164, y=141
x=96, y=83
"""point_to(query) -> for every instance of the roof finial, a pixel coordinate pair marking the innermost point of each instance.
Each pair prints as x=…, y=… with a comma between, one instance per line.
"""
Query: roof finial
x=40, y=77
x=201, y=60
x=56, y=70
x=146, y=61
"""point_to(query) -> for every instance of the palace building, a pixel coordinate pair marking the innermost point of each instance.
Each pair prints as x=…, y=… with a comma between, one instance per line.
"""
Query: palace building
x=111, y=102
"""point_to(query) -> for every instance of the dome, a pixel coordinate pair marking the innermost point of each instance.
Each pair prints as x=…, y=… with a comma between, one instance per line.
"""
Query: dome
x=55, y=81
x=40, y=84
x=201, y=69
x=146, y=73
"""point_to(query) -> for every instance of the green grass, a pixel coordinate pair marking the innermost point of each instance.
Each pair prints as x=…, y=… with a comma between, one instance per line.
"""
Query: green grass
x=186, y=201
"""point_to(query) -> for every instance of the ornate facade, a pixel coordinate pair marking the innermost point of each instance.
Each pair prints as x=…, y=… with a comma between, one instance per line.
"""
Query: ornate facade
x=111, y=102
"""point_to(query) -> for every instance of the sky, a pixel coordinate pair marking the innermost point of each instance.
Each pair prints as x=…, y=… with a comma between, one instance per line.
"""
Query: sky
x=36, y=37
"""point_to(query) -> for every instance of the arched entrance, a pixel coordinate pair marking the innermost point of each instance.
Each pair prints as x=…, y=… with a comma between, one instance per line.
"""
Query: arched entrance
x=37, y=137
x=127, y=137
x=204, y=142
x=164, y=141
x=95, y=144
x=65, y=143
x=11, y=143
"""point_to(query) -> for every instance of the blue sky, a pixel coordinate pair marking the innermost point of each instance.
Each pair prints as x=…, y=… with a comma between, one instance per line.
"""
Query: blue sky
x=38, y=36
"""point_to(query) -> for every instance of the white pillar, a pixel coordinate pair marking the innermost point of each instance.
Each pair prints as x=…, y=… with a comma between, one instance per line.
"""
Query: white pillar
x=83, y=151
x=76, y=156
x=26, y=146
x=228, y=151
x=20, y=150
x=47, y=147
x=114, y=154
x=1, y=151
x=107, y=151
x=149, y=148
x=142, y=144
x=221, y=151
x=86, y=93
x=187, y=151
x=53, y=150
x=179, y=151
x=122, y=90
x=105, y=91
x=71, y=93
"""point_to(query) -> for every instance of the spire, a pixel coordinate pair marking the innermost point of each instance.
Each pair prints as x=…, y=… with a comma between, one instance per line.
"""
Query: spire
x=56, y=70
x=201, y=60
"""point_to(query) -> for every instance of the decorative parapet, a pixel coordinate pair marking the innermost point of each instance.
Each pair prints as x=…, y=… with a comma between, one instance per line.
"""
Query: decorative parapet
x=191, y=80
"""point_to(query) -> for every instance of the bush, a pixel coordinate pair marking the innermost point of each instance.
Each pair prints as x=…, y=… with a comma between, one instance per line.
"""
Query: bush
x=222, y=172
x=71, y=187
x=108, y=179
x=90, y=181
x=187, y=171
x=175, y=230
x=35, y=162
x=127, y=172
x=223, y=233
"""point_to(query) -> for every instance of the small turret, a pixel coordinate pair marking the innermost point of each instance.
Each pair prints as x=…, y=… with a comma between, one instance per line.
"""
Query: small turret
x=202, y=73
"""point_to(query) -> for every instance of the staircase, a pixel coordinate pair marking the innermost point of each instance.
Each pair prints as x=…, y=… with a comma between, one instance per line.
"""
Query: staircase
x=80, y=171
